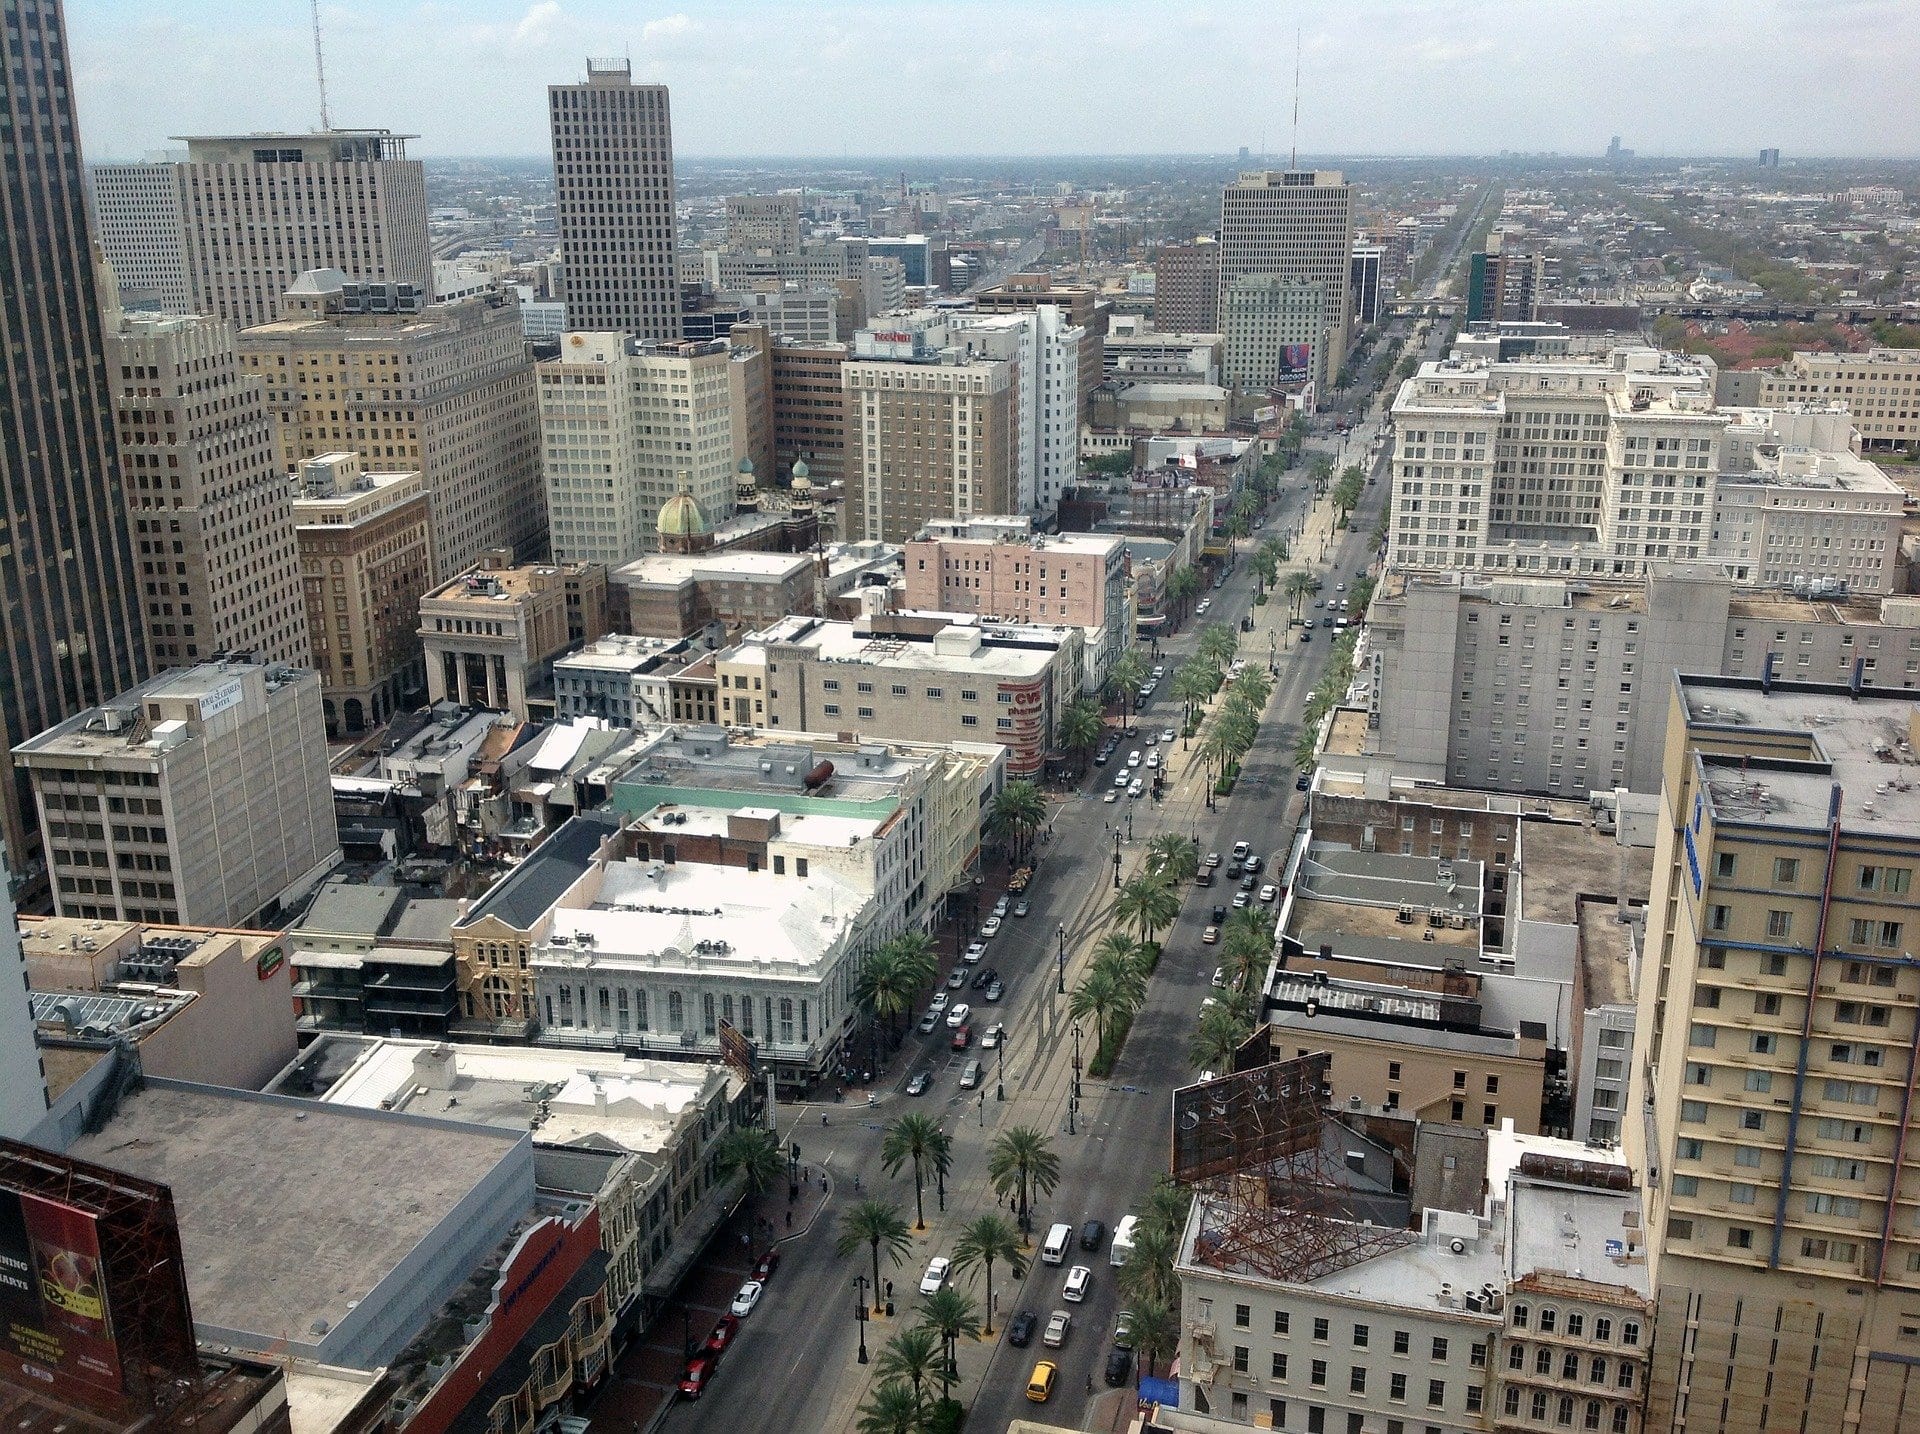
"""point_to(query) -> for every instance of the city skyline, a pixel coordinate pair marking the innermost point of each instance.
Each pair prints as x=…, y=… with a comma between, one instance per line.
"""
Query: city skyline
x=1406, y=77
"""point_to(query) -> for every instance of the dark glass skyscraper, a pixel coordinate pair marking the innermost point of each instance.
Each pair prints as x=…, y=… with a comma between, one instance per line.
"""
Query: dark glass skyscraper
x=70, y=622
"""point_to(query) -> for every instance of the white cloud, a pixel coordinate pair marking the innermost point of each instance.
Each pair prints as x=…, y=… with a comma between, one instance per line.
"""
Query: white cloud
x=536, y=27
x=666, y=28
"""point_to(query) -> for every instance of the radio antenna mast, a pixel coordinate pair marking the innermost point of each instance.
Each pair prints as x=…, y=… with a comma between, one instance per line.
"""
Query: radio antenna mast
x=1293, y=161
x=320, y=68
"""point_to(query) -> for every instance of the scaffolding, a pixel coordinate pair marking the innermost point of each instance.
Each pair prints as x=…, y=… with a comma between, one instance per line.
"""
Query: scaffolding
x=1259, y=1146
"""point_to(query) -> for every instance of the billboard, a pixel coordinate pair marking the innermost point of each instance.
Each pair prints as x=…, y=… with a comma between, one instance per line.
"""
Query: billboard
x=93, y=1293
x=1248, y=1120
x=53, y=1296
x=1296, y=363
x=737, y=1051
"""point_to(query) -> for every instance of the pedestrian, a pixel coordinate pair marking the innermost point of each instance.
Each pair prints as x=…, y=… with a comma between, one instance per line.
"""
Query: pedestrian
x=856, y=1184
x=823, y=1182
x=823, y=1117
x=789, y=1219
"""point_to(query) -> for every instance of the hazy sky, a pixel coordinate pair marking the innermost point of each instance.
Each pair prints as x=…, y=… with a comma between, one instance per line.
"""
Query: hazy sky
x=781, y=77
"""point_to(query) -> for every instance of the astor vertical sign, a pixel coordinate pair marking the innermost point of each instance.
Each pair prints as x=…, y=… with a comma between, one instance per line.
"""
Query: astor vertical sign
x=55, y=1326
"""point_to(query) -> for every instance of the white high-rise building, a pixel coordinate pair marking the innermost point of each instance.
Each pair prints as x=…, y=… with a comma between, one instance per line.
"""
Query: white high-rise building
x=625, y=427
x=613, y=180
x=229, y=230
x=1294, y=224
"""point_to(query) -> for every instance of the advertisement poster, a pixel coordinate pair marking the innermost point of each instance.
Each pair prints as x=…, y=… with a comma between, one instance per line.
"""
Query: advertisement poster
x=54, y=1319
x=1296, y=362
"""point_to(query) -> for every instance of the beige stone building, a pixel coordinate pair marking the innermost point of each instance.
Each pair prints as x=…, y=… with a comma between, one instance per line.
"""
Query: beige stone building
x=447, y=390
x=1186, y=287
x=809, y=413
x=491, y=635
x=210, y=507
x=769, y=222
x=673, y=596
x=625, y=428
x=199, y=798
x=366, y=558
x=1775, y=1060
x=244, y=216
x=1881, y=387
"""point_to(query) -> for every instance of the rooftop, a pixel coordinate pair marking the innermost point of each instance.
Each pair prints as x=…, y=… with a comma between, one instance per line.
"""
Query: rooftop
x=671, y=569
x=291, y=1214
x=1827, y=745
x=120, y=727
x=621, y=653
x=1557, y=863
x=1559, y=1217
x=978, y=648
x=528, y=892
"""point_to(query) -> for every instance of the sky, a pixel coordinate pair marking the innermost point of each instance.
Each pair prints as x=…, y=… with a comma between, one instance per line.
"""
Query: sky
x=1027, y=77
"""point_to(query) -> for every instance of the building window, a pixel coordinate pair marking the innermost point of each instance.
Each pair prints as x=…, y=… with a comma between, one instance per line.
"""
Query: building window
x=1436, y=1393
x=1242, y=1316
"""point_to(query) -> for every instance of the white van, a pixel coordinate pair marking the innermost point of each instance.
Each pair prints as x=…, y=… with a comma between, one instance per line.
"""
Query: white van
x=1054, y=1252
x=1123, y=1240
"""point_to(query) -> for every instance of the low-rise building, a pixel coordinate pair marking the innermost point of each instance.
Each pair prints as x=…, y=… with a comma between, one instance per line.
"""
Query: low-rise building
x=628, y=681
x=924, y=678
x=374, y=959
x=1881, y=388
x=199, y=798
x=1142, y=406
x=491, y=635
x=366, y=559
x=1810, y=521
x=715, y=595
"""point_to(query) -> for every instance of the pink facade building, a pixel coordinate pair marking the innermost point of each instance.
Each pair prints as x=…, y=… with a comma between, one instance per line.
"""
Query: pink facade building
x=1001, y=568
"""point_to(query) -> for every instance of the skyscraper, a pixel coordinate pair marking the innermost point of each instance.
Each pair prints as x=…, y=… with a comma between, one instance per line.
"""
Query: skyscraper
x=252, y=213
x=1186, y=288
x=1294, y=224
x=70, y=620
x=613, y=183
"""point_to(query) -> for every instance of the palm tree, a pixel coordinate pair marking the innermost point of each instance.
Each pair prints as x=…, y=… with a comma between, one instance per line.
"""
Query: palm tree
x=874, y=1223
x=950, y=1313
x=1156, y=1336
x=918, y=960
x=1079, y=729
x=1148, y=905
x=1255, y=686
x=1218, y=644
x=1022, y=1163
x=1298, y=585
x=1266, y=567
x=912, y=1357
x=1236, y=527
x=882, y=988
x=912, y=1138
x=1216, y=750
x=1193, y=684
x=752, y=1152
x=1147, y=1276
x=1217, y=1037
x=1173, y=856
x=1182, y=587
x=1117, y=946
x=1099, y=1000
x=1124, y=680
x=984, y=1240
x=893, y=1409
x=1166, y=1205
x=1018, y=811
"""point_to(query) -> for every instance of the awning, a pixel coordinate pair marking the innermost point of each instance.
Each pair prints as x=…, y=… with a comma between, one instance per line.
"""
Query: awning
x=1160, y=1391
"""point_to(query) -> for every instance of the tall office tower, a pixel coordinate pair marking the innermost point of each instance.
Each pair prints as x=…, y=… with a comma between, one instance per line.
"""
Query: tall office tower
x=211, y=507
x=933, y=432
x=613, y=178
x=1079, y=306
x=23, y=1080
x=70, y=618
x=769, y=222
x=1049, y=349
x=1369, y=264
x=1272, y=326
x=1297, y=224
x=626, y=427
x=1186, y=288
x=444, y=388
x=1505, y=283
x=1776, y=1058
x=809, y=400
x=256, y=211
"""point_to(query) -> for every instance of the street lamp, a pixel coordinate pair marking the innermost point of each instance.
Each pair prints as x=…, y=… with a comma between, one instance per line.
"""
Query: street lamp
x=1063, y=925
x=1076, y=1062
x=983, y=1110
x=1000, y=1075
x=860, y=1313
x=1129, y=823
x=1116, y=867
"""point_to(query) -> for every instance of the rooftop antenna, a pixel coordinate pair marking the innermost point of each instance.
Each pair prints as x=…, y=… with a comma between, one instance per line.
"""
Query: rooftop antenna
x=320, y=68
x=1293, y=161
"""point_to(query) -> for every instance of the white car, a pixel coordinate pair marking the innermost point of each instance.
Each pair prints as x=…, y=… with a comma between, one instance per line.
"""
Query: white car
x=746, y=1299
x=1167, y=736
x=1135, y=790
x=990, y=928
x=994, y=1034
x=1269, y=892
x=1121, y=779
x=939, y=1001
x=1153, y=761
x=975, y=950
x=1111, y=797
x=936, y=1274
x=1079, y=1281
x=958, y=1015
x=1000, y=906
x=1057, y=1325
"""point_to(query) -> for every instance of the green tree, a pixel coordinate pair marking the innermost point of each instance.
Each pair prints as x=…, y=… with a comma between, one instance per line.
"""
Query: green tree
x=1148, y=905
x=1361, y=597
x=1117, y=946
x=1018, y=811
x=1217, y=1036
x=1217, y=750
x=1021, y=1163
x=1255, y=686
x=1299, y=586
x=1100, y=1000
x=1173, y=856
x=1183, y=587
x=1165, y=1206
x=1147, y=1276
x=753, y=1153
x=894, y=1408
x=950, y=1313
x=1266, y=567
x=1080, y=729
x=1156, y=1336
x=874, y=1223
x=1128, y=674
x=885, y=987
x=913, y=1357
x=915, y=1139
x=983, y=1241
x=1193, y=683
x=1218, y=644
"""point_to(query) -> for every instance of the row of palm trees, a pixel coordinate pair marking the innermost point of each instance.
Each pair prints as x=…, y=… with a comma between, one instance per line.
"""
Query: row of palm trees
x=1246, y=947
x=1147, y=1281
x=1017, y=812
x=1114, y=987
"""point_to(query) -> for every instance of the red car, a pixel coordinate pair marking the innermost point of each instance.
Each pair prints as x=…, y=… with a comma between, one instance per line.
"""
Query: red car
x=769, y=1262
x=699, y=1374
x=962, y=1038
x=722, y=1335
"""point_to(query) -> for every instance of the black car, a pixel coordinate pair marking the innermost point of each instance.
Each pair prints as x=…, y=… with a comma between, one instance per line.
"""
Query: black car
x=918, y=1085
x=1091, y=1234
x=984, y=979
x=1234, y=868
x=1119, y=1366
x=1020, y=1329
x=1219, y=915
x=1247, y=883
x=1302, y=782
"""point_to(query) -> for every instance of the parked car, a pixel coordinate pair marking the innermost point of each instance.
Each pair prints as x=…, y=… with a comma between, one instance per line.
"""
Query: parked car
x=957, y=1017
x=962, y=1038
x=936, y=1274
x=1119, y=1366
x=1111, y=797
x=1133, y=759
x=1241, y=850
x=1302, y=782
x=1234, y=869
x=1255, y=862
x=1000, y=906
x=769, y=1262
x=970, y=1075
x=918, y=1085
x=1123, y=1329
x=1269, y=892
x=1154, y=760
x=1021, y=907
x=1091, y=1234
x=723, y=1332
x=995, y=991
x=745, y=1299
x=929, y=1021
x=1120, y=779
x=1241, y=900
x=956, y=978
x=985, y=977
x=1219, y=977
x=1058, y=1323
x=992, y=1036
x=1168, y=735
x=939, y=1001
x=975, y=950
x=699, y=1373
x=1203, y=877
x=990, y=928
x=1249, y=882
x=1219, y=915
x=1020, y=1329
x=1210, y=937
x=1079, y=1281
